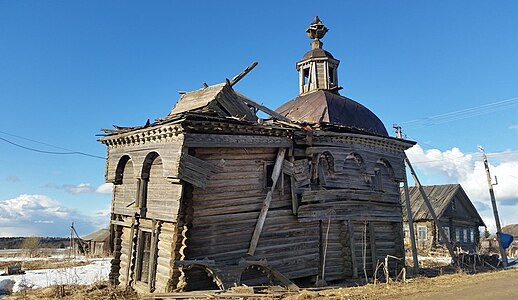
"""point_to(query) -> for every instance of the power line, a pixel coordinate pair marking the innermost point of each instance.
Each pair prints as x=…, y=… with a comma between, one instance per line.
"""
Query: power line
x=34, y=141
x=50, y=152
x=463, y=113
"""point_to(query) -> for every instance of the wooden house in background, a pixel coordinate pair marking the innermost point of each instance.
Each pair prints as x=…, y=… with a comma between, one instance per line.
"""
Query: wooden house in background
x=206, y=196
x=455, y=211
x=97, y=244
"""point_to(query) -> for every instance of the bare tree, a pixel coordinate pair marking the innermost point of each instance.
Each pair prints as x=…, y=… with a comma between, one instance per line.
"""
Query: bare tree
x=31, y=245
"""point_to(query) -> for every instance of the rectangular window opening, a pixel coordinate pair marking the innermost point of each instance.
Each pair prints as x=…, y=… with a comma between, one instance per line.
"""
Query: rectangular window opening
x=144, y=257
x=422, y=233
x=268, y=172
x=305, y=73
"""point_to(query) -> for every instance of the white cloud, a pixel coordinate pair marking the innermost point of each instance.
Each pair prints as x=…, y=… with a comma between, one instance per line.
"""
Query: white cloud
x=105, y=188
x=454, y=166
x=40, y=215
x=12, y=178
x=514, y=127
x=83, y=188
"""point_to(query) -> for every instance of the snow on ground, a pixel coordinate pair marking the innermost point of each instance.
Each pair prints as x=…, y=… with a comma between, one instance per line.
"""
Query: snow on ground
x=438, y=259
x=98, y=270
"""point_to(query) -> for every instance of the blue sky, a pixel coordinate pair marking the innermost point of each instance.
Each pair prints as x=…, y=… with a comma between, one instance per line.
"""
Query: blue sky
x=69, y=68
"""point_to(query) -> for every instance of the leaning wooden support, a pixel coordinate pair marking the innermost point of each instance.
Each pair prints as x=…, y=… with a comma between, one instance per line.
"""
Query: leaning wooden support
x=277, y=169
x=430, y=209
x=410, y=224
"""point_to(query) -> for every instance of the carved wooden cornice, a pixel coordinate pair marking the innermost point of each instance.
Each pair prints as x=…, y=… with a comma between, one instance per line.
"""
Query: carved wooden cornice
x=391, y=145
x=159, y=134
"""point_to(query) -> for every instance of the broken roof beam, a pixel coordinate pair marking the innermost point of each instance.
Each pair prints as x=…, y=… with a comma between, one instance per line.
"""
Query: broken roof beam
x=265, y=109
x=242, y=74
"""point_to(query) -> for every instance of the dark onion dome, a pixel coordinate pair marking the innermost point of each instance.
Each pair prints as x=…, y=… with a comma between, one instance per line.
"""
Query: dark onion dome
x=328, y=107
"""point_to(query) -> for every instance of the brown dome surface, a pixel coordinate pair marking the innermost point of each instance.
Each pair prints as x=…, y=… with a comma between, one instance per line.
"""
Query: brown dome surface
x=317, y=53
x=327, y=107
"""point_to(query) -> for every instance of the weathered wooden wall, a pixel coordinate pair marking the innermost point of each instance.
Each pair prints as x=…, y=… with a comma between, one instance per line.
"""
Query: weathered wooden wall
x=146, y=169
x=226, y=211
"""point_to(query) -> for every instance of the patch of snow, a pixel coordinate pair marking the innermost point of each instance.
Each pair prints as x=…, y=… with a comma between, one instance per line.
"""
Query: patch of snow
x=98, y=270
x=52, y=257
x=442, y=259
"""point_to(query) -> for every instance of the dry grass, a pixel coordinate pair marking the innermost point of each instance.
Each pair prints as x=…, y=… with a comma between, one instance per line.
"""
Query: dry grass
x=412, y=289
x=44, y=264
x=100, y=291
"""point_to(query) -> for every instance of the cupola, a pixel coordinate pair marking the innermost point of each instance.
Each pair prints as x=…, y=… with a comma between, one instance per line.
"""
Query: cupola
x=318, y=68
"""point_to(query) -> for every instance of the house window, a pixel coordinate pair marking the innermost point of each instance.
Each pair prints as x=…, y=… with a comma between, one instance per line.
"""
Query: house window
x=465, y=235
x=458, y=236
x=305, y=75
x=453, y=205
x=406, y=230
x=471, y=235
x=377, y=183
x=331, y=72
x=268, y=172
x=446, y=232
x=422, y=233
x=144, y=256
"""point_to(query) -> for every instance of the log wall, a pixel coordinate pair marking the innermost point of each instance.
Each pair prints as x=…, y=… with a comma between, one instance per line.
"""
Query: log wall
x=226, y=211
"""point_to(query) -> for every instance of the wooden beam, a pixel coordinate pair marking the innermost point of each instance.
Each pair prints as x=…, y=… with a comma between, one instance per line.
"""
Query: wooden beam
x=266, y=204
x=294, y=200
x=350, y=230
x=372, y=238
x=266, y=110
x=410, y=219
x=242, y=74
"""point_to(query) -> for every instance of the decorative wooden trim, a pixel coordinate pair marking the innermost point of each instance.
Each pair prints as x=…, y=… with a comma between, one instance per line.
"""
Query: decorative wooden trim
x=225, y=140
x=143, y=136
x=321, y=138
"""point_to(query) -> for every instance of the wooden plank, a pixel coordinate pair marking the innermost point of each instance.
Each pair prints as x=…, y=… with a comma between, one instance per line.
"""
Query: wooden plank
x=265, y=109
x=294, y=198
x=197, y=171
x=262, y=216
x=352, y=246
x=222, y=140
x=340, y=194
x=372, y=237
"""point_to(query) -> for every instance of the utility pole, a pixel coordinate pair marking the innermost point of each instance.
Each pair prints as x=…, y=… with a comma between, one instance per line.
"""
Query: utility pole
x=440, y=229
x=409, y=211
x=495, y=210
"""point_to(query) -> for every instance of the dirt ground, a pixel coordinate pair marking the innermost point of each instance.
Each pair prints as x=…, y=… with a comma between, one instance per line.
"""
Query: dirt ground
x=491, y=285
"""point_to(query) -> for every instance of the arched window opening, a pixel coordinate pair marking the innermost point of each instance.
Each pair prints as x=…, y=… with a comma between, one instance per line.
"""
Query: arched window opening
x=383, y=179
x=125, y=188
x=151, y=182
x=326, y=167
x=354, y=168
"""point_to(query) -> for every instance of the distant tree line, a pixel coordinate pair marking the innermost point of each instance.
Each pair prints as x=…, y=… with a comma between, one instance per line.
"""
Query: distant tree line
x=44, y=242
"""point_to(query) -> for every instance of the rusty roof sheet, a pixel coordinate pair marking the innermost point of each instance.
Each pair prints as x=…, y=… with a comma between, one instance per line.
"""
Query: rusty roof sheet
x=327, y=107
x=440, y=197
